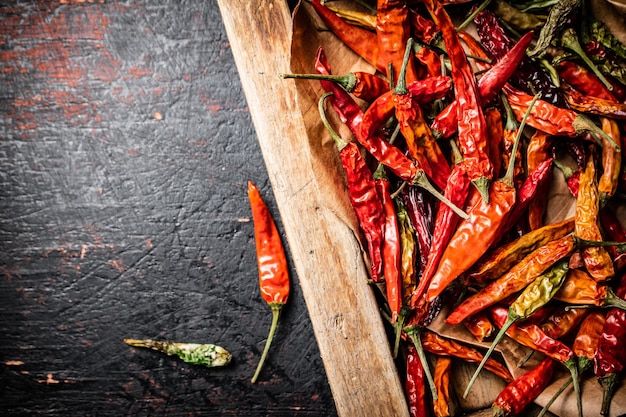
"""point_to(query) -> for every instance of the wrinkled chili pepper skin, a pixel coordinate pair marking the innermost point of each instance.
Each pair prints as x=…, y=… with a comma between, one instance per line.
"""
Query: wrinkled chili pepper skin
x=588, y=336
x=593, y=105
x=441, y=377
x=563, y=321
x=271, y=259
x=517, y=278
x=583, y=80
x=497, y=43
x=393, y=30
x=517, y=395
x=415, y=384
x=479, y=326
x=421, y=212
x=611, y=161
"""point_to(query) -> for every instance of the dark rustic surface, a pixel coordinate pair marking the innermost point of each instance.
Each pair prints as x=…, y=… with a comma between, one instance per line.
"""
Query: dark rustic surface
x=125, y=148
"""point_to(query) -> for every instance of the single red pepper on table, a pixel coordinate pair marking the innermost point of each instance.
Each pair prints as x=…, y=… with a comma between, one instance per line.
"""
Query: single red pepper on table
x=272, y=265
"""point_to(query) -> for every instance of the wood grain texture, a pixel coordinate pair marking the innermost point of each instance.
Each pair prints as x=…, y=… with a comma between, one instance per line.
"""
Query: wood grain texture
x=352, y=341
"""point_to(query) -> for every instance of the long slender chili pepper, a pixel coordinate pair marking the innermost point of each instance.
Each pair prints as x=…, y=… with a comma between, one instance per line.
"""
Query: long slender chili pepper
x=551, y=119
x=392, y=251
x=583, y=80
x=584, y=348
x=361, y=84
x=593, y=105
x=537, y=152
x=535, y=295
x=610, y=354
x=611, y=162
x=363, y=42
x=517, y=395
x=443, y=368
x=364, y=197
x=490, y=84
x=557, y=18
x=516, y=279
x=504, y=257
x=581, y=289
x=529, y=76
x=472, y=128
x=475, y=234
x=272, y=265
x=421, y=214
x=414, y=384
x=205, y=354
x=393, y=30
x=495, y=138
x=596, y=258
x=440, y=345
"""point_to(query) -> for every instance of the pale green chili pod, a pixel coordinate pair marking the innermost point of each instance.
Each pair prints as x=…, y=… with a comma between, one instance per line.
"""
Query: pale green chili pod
x=194, y=353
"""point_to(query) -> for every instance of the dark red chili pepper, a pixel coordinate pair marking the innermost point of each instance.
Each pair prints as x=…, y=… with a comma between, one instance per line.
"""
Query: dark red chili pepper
x=472, y=128
x=415, y=385
x=421, y=212
x=364, y=197
x=517, y=395
x=272, y=264
x=583, y=80
x=489, y=85
x=610, y=354
x=497, y=43
x=360, y=40
x=422, y=28
x=495, y=138
x=615, y=231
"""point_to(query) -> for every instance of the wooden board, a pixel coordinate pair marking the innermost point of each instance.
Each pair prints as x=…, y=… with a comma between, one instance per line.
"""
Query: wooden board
x=353, y=345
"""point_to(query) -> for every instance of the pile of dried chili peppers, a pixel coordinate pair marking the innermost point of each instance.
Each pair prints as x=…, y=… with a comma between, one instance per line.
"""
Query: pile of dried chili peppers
x=456, y=138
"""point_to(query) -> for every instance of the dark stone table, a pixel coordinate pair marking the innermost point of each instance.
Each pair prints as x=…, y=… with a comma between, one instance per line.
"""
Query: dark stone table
x=125, y=149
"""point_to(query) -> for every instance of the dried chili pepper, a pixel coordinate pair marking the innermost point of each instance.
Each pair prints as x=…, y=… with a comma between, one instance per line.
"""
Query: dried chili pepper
x=537, y=294
x=506, y=256
x=205, y=354
x=562, y=321
x=363, y=42
x=495, y=138
x=429, y=59
x=360, y=84
x=490, y=84
x=569, y=41
x=611, y=162
x=583, y=80
x=581, y=289
x=559, y=15
x=472, y=128
x=443, y=368
x=440, y=345
x=596, y=258
x=517, y=395
x=479, y=326
x=516, y=279
x=422, y=28
x=529, y=76
x=610, y=354
x=537, y=152
x=615, y=231
x=421, y=213
x=272, y=265
x=414, y=384
x=364, y=197
x=475, y=234
x=517, y=18
x=393, y=30
x=593, y=105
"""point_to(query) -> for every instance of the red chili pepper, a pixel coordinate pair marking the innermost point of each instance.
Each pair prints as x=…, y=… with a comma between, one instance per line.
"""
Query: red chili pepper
x=364, y=197
x=583, y=80
x=415, y=385
x=421, y=213
x=495, y=139
x=615, y=231
x=472, y=128
x=517, y=395
x=593, y=105
x=537, y=152
x=490, y=84
x=360, y=40
x=422, y=28
x=272, y=264
x=429, y=60
x=479, y=326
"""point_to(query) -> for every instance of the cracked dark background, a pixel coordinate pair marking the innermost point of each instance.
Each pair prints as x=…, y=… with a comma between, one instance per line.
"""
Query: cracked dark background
x=125, y=148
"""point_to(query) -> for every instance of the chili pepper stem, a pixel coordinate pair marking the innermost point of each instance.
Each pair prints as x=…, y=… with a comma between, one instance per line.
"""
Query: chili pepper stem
x=572, y=365
x=414, y=333
x=583, y=364
x=482, y=185
x=609, y=383
x=347, y=81
x=612, y=300
x=570, y=41
x=509, y=322
x=583, y=124
x=482, y=6
x=420, y=180
x=398, y=325
x=525, y=359
x=621, y=246
x=276, y=309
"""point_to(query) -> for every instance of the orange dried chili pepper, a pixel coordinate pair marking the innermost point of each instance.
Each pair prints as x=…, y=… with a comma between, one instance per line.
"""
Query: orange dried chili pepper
x=596, y=258
x=516, y=279
x=581, y=289
x=443, y=368
x=495, y=137
x=538, y=151
x=593, y=105
x=611, y=161
x=479, y=326
x=272, y=264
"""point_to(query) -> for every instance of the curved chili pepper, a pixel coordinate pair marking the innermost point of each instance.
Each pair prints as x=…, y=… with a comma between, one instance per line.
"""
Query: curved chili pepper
x=414, y=384
x=593, y=105
x=537, y=152
x=472, y=128
x=506, y=256
x=440, y=345
x=497, y=43
x=363, y=42
x=610, y=354
x=271, y=262
x=596, y=258
x=517, y=395
x=558, y=17
x=516, y=279
x=422, y=28
x=537, y=294
x=475, y=234
x=611, y=161
x=581, y=289
x=364, y=197
x=479, y=326
x=360, y=84
x=564, y=319
x=429, y=60
x=583, y=80
x=490, y=84
x=443, y=368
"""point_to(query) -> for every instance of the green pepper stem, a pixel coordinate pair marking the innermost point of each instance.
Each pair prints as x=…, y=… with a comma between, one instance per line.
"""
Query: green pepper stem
x=338, y=140
x=572, y=365
x=347, y=81
x=276, y=309
x=397, y=326
x=608, y=383
x=569, y=40
x=401, y=87
x=612, y=300
x=471, y=16
x=420, y=180
x=508, y=323
x=414, y=333
x=621, y=246
x=582, y=123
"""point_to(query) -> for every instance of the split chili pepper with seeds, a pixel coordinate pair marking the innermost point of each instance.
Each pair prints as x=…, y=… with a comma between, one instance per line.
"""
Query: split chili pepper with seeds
x=205, y=354
x=272, y=265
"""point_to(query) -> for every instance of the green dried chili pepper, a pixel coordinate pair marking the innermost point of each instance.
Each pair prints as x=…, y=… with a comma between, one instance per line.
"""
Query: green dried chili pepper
x=535, y=295
x=194, y=353
x=603, y=35
x=557, y=18
x=517, y=18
